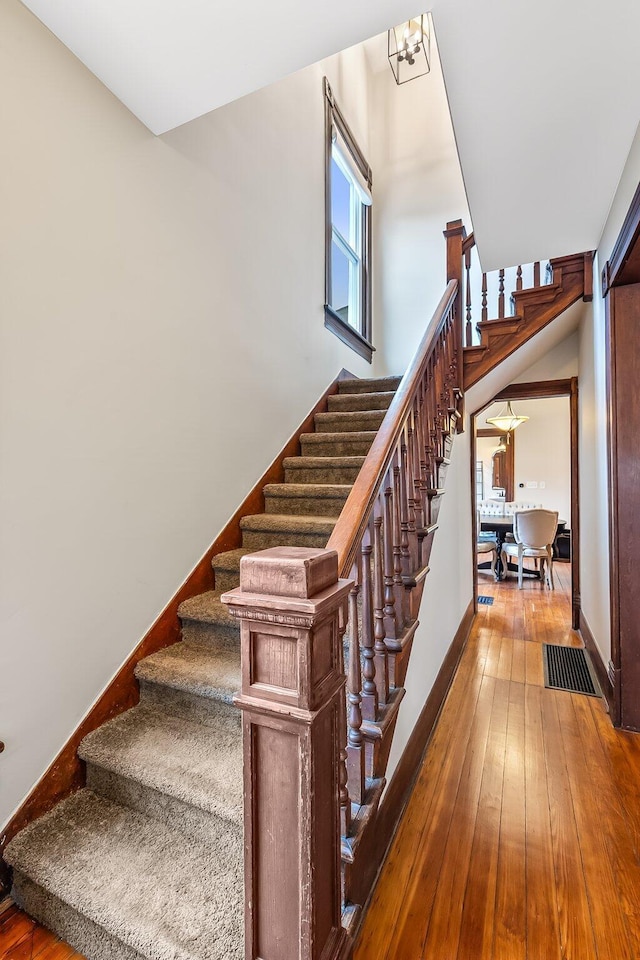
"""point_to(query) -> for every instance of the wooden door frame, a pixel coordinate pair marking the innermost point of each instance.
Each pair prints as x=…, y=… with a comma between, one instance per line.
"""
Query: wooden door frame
x=540, y=390
x=622, y=269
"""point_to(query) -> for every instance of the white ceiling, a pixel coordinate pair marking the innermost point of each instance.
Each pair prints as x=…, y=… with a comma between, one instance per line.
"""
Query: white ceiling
x=544, y=98
x=170, y=61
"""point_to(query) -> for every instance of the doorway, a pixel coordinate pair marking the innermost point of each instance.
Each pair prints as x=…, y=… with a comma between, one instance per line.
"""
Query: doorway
x=554, y=485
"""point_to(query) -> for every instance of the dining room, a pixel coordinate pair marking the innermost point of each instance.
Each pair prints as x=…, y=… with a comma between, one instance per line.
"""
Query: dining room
x=525, y=493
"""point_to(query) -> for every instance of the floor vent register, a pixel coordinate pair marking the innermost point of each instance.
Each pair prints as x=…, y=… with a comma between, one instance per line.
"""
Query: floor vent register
x=569, y=668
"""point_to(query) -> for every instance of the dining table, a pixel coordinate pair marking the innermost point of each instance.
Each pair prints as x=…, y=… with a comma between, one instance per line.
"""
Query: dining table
x=501, y=526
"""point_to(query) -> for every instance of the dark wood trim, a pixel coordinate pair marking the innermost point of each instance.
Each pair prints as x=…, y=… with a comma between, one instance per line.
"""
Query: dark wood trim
x=360, y=341
x=541, y=390
x=612, y=463
x=614, y=273
x=535, y=391
x=347, y=134
x=596, y=657
x=378, y=840
x=474, y=519
x=67, y=774
x=348, y=334
x=574, y=414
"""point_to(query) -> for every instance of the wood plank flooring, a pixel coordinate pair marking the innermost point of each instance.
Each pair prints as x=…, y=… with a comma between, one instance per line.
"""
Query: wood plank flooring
x=21, y=938
x=522, y=837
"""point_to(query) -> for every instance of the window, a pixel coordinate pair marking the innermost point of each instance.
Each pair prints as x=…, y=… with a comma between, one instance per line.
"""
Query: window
x=347, y=233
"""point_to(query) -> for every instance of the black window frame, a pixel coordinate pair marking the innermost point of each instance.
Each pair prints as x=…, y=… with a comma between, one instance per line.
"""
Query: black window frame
x=358, y=340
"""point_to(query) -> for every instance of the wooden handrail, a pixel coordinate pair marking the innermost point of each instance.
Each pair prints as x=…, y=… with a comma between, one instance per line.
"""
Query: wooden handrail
x=354, y=518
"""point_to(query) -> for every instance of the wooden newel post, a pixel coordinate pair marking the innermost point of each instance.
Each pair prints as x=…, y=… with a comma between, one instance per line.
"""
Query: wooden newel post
x=455, y=235
x=292, y=696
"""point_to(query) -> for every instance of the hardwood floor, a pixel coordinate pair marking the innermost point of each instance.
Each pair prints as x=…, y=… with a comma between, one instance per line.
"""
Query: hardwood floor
x=522, y=838
x=23, y=939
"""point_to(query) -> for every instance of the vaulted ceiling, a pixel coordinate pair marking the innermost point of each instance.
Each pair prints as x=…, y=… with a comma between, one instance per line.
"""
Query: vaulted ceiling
x=544, y=97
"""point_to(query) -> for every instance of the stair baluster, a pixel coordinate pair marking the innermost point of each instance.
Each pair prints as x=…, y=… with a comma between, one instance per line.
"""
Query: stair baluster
x=536, y=274
x=390, y=621
x=501, y=294
x=369, y=705
x=519, y=277
x=343, y=777
x=382, y=658
x=485, y=311
x=398, y=585
x=355, y=739
x=467, y=268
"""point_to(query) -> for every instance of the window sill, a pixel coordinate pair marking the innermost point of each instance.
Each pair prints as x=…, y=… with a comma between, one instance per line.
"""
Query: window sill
x=348, y=334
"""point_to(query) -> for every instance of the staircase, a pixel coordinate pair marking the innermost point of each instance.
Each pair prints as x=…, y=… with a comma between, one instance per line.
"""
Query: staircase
x=568, y=280
x=146, y=862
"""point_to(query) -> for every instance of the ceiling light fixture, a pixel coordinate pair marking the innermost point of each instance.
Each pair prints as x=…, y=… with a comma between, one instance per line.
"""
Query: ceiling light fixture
x=410, y=49
x=507, y=421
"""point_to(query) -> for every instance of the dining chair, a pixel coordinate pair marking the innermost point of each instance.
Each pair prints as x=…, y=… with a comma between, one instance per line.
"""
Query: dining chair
x=486, y=544
x=534, y=532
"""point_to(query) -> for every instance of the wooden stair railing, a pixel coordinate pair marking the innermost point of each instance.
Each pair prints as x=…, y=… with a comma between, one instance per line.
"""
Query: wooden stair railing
x=563, y=281
x=315, y=754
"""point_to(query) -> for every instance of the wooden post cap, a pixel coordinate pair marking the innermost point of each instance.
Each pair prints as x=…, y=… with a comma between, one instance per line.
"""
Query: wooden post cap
x=299, y=572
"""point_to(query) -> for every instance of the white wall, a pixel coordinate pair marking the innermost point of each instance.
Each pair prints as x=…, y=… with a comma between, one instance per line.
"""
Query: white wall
x=593, y=425
x=418, y=189
x=447, y=594
x=542, y=452
x=161, y=311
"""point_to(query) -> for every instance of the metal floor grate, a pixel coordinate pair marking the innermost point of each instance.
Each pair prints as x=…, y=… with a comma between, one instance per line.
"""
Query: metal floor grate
x=486, y=600
x=569, y=668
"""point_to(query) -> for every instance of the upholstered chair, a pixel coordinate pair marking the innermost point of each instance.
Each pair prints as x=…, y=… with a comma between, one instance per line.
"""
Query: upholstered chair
x=534, y=532
x=486, y=545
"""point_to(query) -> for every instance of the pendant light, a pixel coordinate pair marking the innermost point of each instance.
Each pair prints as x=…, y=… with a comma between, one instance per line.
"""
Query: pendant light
x=507, y=420
x=410, y=49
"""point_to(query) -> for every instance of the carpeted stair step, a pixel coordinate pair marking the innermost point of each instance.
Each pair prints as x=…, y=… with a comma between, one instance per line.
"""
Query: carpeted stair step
x=306, y=499
x=189, y=775
x=322, y=469
x=226, y=567
x=341, y=402
x=374, y=385
x=206, y=620
x=348, y=421
x=194, y=681
x=336, y=444
x=121, y=886
x=277, y=530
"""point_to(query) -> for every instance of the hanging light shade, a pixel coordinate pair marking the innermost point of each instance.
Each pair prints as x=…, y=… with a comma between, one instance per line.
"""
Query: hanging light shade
x=410, y=49
x=502, y=446
x=507, y=420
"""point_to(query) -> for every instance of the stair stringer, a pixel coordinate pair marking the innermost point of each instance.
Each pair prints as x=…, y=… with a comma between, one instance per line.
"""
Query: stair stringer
x=535, y=308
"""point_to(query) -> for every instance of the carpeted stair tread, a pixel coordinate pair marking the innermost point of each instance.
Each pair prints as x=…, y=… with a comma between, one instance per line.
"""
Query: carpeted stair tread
x=144, y=884
x=322, y=469
x=360, y=401
x=288, y=523
x=229, y=560
x=304, y=463
x=340, y=444
x=207, y=608
x=323, y=491
x=348, y=421
x=197, y=764
x=226, y=567
x=373, y=385
x=214, y=674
